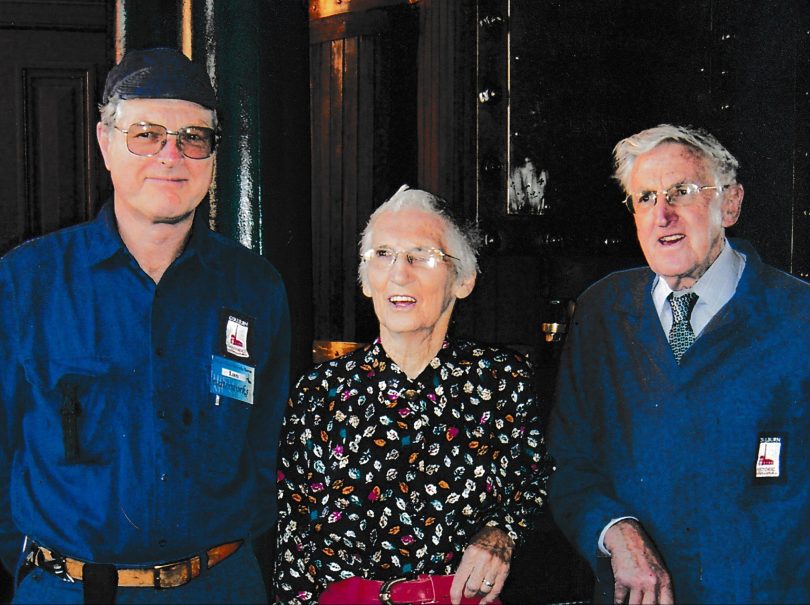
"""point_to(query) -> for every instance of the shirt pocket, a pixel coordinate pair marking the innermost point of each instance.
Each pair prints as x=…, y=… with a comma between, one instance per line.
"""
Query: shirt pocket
x=222, y=433
x=74, y=406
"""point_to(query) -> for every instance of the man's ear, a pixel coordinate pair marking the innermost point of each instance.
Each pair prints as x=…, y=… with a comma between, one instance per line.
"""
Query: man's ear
x=103, y=138
x=463, y=288
x=732, y=204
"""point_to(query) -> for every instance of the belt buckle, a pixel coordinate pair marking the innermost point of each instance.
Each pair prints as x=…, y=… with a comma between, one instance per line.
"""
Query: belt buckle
x=387, y=588
x=57, y=564
x=175, y=574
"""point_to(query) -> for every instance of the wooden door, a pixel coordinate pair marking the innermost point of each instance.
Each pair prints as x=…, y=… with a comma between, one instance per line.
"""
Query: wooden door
x=52, y=55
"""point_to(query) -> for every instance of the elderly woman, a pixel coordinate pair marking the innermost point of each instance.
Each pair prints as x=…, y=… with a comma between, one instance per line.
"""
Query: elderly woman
x=418, y=456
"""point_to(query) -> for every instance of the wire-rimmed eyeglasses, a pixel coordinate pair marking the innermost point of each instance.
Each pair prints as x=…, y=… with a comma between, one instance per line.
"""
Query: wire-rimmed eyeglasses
x=145, y=139
x=384, y=258
x=680, y=194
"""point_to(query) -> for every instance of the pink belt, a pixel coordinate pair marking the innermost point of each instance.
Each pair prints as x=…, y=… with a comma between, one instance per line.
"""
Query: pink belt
x=424, y=590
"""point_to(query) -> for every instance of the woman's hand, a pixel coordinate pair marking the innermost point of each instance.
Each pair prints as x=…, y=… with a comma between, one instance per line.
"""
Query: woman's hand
x=484, y=567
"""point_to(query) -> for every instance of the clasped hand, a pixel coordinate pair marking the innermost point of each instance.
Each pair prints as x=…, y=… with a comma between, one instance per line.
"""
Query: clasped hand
x=484, y=567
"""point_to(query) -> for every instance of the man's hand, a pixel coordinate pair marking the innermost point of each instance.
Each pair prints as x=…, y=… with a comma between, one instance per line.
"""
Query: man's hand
x=484, y=567
x=638, y=570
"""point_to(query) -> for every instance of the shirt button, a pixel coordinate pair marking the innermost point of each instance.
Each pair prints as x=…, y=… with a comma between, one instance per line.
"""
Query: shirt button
x=161, y=413
x=162, y=543
x=159, y=351
x=163, y=476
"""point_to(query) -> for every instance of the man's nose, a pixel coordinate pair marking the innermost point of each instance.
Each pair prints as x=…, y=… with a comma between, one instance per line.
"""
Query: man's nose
x=664, y=212
x=171, y=148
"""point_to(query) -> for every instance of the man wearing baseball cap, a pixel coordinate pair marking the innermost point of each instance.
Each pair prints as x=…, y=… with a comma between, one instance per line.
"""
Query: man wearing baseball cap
x=143, y=372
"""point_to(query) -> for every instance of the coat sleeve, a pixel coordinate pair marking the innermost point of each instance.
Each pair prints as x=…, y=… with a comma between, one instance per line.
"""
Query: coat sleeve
x=264, y=430
x=581, y=494
x=12, y=399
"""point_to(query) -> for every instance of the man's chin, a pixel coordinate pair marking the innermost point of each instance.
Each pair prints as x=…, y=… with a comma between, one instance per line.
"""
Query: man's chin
x=679, y=279
x=174, y=220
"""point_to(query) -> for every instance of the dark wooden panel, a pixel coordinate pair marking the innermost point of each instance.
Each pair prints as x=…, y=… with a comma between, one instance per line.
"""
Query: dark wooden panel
x=57, y=154
x=366, y=127
x=64, y=15
x=320, y=102
x=149, y=23
x=349, y=26
x=447, y=103
x=336, y=279
x=349, y=197
x=54, y=175
x=363, y=148
x=285, y=161
x=320, y=9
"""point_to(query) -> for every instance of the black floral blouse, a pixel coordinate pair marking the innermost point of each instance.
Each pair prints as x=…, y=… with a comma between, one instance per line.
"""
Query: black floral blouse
x=381, y=476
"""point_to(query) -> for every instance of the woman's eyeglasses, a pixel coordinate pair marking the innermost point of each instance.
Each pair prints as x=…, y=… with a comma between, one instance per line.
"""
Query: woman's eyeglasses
x=384, y=258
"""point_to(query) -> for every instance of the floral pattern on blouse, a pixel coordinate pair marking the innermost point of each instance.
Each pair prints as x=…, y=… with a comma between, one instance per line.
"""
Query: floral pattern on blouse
x=381, y=476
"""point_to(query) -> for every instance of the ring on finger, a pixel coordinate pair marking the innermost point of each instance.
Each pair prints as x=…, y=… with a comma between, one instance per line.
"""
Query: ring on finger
x=488, y=584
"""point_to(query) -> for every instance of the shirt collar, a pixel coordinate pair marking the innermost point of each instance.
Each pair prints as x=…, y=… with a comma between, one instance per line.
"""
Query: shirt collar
x=201, y=241
x=378, y=353
x=104, y=241
x=719, y=283
x=714, y=288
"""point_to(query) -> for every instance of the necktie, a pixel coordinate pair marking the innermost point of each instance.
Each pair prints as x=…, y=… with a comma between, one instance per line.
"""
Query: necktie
x=681, y=335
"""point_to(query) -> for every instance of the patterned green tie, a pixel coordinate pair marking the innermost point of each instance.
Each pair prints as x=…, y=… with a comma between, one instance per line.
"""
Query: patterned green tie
x=681, y=335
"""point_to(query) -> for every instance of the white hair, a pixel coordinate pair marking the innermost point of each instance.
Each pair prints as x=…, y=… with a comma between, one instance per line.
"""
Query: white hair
x=723, y=164
x=109, y=112
x=462, y=242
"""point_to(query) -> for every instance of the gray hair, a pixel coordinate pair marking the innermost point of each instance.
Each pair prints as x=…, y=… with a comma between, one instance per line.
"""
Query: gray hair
x=723, y=164
x=462, y=242
x=109, y=112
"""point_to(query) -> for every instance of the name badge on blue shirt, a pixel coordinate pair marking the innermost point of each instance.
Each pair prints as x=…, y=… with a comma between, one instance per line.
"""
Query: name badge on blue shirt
x=771, y=459
x=231, y=379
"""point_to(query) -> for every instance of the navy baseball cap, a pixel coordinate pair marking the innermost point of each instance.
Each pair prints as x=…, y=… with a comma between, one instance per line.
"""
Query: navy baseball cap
x=159, y=73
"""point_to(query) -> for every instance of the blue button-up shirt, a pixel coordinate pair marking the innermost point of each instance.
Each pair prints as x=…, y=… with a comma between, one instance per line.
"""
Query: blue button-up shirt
x=164, y=467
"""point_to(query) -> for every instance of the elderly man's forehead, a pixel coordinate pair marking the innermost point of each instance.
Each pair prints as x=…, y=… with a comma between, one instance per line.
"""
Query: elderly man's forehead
x=687, y=151
x=672, y=154
x=143, y=109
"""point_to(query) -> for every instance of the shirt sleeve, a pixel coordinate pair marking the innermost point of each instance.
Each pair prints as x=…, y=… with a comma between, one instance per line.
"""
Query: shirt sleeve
x=601, y=542
x=264, y=430
x=525, y=465
x=294, y=578
x=582, y=498
x=11, y=378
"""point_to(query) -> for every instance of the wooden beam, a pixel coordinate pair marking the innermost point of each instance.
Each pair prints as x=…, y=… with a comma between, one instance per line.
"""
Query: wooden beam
x=318, y=9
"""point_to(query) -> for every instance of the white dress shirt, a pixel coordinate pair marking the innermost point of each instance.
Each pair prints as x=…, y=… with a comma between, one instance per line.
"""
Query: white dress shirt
x=714, y=289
